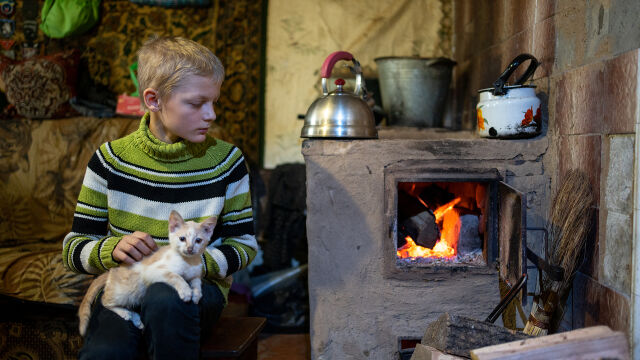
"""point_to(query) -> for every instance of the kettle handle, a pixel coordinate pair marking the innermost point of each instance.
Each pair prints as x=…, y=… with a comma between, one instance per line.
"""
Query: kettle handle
x=331, y=60
x=498, y=85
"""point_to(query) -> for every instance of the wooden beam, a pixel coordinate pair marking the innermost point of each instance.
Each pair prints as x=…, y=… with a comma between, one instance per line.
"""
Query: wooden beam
x=598, y=342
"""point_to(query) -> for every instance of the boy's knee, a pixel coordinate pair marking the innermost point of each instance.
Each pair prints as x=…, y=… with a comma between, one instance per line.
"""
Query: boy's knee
x=163, y=299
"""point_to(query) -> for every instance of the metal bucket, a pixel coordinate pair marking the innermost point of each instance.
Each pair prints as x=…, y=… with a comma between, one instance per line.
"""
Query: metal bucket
x=414, y=90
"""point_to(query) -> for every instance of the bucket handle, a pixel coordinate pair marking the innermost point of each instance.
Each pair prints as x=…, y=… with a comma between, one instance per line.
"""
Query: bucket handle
x=331, y=60
x=498, y=85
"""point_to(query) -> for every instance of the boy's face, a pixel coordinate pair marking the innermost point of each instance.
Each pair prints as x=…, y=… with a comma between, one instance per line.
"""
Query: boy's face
x=188, y=112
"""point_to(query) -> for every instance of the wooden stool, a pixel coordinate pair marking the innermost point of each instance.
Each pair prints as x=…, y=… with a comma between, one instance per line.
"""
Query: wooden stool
x=233, y=338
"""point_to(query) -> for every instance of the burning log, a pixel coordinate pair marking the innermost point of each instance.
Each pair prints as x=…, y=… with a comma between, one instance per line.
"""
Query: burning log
x=423, y=229
x=458, y=335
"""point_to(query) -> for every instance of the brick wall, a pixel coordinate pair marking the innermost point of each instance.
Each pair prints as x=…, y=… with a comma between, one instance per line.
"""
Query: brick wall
x=588, y=82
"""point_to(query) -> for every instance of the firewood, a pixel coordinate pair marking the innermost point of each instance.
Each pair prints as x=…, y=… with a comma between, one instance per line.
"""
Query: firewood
x=598, y=342
x=429, y=232
x=423, y=229
x=423, y=352
x=457, y=335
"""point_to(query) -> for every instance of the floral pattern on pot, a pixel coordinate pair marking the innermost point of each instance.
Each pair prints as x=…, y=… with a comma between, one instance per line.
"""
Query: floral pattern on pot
x=481, y=120
x=530, y=119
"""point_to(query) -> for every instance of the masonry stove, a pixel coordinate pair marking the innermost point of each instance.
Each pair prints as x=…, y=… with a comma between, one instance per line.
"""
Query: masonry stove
x=367, y=200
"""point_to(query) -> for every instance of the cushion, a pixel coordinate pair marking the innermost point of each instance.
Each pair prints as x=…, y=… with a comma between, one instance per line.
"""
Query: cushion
x=42, y=164
x=40, y=87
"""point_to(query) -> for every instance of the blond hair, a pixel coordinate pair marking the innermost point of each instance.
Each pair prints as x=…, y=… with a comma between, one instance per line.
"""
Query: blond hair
x=163, y=62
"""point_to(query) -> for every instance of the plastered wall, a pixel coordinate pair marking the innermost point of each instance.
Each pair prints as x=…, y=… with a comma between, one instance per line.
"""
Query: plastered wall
x=301, y=34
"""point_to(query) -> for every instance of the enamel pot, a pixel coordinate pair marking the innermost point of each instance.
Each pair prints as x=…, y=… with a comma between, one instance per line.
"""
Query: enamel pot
x=510, y=111
x=340, y=113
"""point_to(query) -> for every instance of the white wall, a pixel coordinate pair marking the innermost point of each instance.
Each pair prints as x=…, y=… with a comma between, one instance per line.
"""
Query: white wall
x=301, y=34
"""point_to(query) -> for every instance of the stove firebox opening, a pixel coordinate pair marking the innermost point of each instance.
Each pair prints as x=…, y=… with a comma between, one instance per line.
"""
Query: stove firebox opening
x=442, y=223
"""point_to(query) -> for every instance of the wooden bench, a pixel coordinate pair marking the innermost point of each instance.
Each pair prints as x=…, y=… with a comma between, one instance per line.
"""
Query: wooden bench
x=233, y=338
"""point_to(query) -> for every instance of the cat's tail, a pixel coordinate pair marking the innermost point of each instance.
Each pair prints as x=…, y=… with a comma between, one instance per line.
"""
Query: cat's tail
x=84, y=312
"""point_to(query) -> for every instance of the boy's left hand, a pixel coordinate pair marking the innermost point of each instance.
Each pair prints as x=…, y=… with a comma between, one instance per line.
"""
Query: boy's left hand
x=134, y=247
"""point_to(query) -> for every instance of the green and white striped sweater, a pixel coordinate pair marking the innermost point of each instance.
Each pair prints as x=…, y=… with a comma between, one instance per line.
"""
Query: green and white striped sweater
x=133, y=183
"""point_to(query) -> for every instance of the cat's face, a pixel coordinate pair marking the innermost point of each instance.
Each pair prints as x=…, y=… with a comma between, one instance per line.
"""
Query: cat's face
x=187, y=237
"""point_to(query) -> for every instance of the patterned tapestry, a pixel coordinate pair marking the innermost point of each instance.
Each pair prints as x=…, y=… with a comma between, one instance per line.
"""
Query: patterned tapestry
x=231, y=29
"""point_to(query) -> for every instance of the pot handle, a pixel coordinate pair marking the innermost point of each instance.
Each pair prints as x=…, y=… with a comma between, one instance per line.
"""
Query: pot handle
x=498, y=85
x=330, y=61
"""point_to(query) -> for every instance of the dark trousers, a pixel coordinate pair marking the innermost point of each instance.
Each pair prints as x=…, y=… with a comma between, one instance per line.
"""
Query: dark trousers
x=172, y=328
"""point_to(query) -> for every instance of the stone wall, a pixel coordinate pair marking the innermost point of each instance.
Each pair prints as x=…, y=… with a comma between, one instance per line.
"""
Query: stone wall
x=588, y=83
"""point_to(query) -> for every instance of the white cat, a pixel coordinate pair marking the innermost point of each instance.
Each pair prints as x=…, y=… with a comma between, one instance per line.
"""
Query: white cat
x=179, y=264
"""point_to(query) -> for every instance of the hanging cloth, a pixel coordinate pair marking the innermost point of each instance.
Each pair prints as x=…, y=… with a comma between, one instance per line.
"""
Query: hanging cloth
x=62, y=18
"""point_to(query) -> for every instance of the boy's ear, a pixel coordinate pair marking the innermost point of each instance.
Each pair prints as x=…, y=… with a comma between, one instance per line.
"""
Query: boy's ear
x=175, y=221
x=151, y=99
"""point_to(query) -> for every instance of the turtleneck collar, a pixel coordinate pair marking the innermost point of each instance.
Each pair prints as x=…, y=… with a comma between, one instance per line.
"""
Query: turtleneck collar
x=157, y=149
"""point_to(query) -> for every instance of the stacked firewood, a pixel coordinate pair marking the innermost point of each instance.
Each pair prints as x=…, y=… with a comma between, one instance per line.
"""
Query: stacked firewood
x=454, y=337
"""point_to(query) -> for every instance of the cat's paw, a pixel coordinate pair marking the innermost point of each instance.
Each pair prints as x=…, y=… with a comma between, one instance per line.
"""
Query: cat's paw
x=197, y=295
x=135, y=319
x=185, y=293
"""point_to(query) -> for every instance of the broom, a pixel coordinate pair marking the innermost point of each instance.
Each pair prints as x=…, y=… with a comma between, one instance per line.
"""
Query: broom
x=569, y=225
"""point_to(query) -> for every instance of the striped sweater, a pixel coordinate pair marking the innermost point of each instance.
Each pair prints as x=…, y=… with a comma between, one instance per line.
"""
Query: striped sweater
x=133, y=183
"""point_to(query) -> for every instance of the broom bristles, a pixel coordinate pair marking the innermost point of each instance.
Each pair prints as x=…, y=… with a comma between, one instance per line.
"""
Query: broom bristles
x=569, y=224
x=533, y=330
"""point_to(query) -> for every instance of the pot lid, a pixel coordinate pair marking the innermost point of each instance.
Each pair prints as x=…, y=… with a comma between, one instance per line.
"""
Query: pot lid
x=508, y=87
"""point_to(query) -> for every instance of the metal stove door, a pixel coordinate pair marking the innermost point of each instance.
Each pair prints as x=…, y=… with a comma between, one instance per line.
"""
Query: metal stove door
x=511, y=229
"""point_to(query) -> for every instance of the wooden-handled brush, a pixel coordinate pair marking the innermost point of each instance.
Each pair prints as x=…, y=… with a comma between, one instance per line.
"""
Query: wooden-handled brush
x=569, y=225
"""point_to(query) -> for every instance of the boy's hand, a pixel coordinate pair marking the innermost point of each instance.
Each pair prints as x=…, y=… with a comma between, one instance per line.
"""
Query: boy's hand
x=134, y=247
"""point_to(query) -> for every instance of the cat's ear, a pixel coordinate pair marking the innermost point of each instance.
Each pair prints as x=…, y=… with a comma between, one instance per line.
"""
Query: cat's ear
x=175, y=221
x=209, y=224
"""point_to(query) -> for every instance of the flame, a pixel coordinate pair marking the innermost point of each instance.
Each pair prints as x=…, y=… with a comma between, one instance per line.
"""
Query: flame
x=439, y=213
x=447, y=246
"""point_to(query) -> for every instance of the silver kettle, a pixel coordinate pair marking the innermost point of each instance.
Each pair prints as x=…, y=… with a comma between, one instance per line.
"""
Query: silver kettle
x=340, y=114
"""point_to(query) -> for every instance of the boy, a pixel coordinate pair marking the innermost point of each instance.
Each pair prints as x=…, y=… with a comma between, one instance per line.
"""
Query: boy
x=132, y=184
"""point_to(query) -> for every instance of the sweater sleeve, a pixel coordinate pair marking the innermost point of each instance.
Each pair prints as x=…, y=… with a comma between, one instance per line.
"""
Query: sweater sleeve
x=88, y=247
x=238, y=245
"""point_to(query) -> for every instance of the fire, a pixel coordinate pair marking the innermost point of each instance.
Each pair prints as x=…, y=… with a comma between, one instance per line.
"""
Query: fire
x=439, y=213
x=447, y=247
